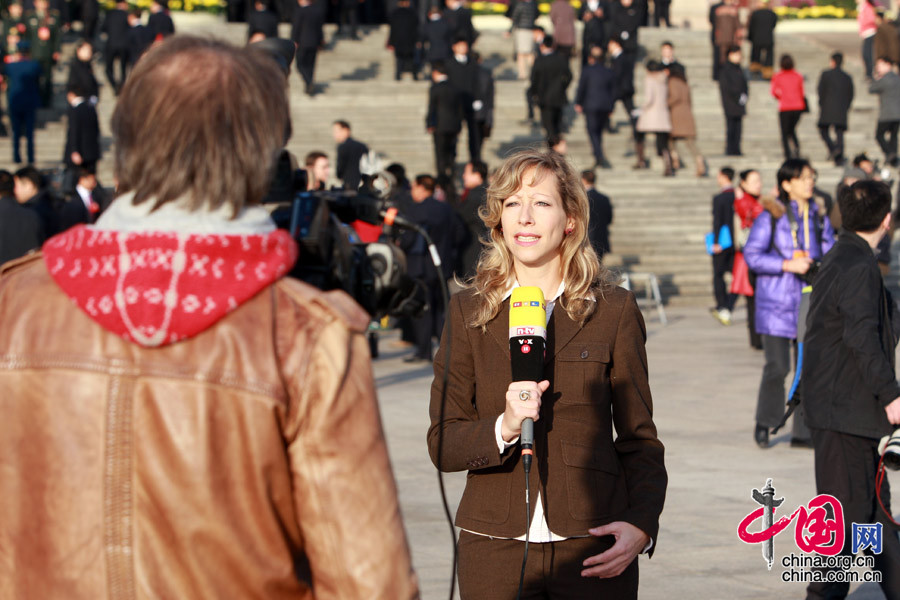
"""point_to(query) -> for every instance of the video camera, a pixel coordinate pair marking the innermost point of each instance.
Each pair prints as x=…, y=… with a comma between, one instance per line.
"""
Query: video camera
x=331, y=254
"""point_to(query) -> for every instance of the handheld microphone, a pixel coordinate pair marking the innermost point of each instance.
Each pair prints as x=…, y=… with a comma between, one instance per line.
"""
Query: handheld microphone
x=527, y=340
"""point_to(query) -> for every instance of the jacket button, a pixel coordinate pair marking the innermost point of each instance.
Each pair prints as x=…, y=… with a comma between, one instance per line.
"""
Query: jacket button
x=584, y=354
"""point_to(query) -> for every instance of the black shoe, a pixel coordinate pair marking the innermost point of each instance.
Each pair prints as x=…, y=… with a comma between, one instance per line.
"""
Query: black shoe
x=761, y=435
x=795, y=443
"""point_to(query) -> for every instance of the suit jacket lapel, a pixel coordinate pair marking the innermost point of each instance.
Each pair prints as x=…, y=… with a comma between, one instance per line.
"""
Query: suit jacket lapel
x=560, y=332
x=498, y=327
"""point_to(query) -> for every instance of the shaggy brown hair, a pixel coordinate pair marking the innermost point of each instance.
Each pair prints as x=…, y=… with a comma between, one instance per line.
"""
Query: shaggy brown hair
x=202, y=119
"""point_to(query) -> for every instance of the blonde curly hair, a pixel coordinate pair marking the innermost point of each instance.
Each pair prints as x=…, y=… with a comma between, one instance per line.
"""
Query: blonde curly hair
x=585, y=278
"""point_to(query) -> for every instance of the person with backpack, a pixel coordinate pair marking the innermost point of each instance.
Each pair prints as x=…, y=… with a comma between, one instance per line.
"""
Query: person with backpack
x=786, y=244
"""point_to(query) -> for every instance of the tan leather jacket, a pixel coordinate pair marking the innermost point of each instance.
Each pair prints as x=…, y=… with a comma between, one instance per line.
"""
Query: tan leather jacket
x=245, y=462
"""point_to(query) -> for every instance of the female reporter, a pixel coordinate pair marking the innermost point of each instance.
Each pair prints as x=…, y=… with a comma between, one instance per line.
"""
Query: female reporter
x=595, y=499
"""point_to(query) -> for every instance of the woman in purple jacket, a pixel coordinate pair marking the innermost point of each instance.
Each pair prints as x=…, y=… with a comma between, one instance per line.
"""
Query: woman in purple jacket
x=784, y=254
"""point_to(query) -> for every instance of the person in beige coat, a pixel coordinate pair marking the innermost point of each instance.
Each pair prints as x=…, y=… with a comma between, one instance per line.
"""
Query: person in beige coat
x=682, y=115
x=655, y=117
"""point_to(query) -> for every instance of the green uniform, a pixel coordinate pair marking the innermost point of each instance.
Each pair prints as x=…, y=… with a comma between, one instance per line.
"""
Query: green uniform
x=44, y=35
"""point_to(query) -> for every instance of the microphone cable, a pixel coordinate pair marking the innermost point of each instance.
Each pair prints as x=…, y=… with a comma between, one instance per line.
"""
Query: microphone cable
x=527, y=527
x=391, y=218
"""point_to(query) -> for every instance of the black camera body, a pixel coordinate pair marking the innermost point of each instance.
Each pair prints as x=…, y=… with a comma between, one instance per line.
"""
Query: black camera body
x=331, y=254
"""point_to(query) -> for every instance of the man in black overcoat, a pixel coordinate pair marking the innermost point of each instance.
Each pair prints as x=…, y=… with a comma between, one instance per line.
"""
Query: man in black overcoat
x=21, y=229
x=459, y=19
x=624, y=22
x=595, y=98
x=140, y=38
x=82, y=134
x=444, y=119
x=115, y=26
x=473, y=230
x=734, y=91
x=484, y=99
x=404, y=39
x=761, y=34
x=306, y=32
x=601, y=215
x=464, y=73
x=849, y=381
x=262, y=22
x=712, y=38
x=835, y=98
x=622, y=65
x=160, y=23
x=436, y=36
x=549, y=79
x=594, y=32
x=349, y=153
x=90, y=16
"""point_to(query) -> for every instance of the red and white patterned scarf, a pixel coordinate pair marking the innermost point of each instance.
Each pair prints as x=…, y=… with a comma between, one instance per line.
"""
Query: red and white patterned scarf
x=154, y=287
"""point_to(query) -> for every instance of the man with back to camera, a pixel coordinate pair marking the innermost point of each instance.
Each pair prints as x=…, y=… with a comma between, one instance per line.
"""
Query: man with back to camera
x=349, y=152
x=850, y=390
x=835, y=97
x=209, y=429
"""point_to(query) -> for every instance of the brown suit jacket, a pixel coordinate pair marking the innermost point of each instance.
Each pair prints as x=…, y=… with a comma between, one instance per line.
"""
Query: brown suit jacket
x=598, y=378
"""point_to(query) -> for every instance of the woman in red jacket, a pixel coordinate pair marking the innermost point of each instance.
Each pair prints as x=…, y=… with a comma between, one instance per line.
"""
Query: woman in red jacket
x=787, y=86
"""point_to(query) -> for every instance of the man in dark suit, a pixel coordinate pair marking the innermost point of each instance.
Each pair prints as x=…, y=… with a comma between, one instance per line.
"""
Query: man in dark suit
x=549, y=79
x=404, y=39
x=90, y=16
x=761, y=34
x=444, y=119
x=437, y=219
x=348, y=15
x=835, y=98
x=160, y=23
x=85, y=202
x=473, y=230
x=349, y=153
x=82, y=134
x=624, y=22
x=484, y=99
x=723, y=258
x=436, y=36
x=140, y=38
x=850, y=390
x=115, y=26
x=81, y=71
x=594, y=32
x=32, y=193
x=622, y=65
x=262, y=22
x=601, y=215
x=21, y=229
x=712, y=39
x=594, y=99
x=734, y=92
x=464, y=74
x=306, y=31
x=459, y=19
x=23, y=97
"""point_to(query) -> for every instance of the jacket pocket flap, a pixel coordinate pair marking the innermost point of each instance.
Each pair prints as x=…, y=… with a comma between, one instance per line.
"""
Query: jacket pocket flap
x=585, y=352
x=586, y=457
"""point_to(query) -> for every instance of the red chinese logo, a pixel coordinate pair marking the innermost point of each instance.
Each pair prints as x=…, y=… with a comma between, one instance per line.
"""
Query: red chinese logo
x=815, y=530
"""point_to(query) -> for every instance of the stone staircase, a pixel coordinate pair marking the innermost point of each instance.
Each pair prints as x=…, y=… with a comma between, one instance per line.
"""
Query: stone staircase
x=660, y=222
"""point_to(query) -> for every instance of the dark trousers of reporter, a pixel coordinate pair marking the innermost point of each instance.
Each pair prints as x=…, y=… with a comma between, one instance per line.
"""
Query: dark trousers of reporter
x=489, y=570
x=306, y=65
x=845, y=468
x=445, y=153
x=886, y=136
x=755, y=338
x=788, y=119
x=723, y=262
x=772, y=396
x=836, y=145
x=733, y=126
